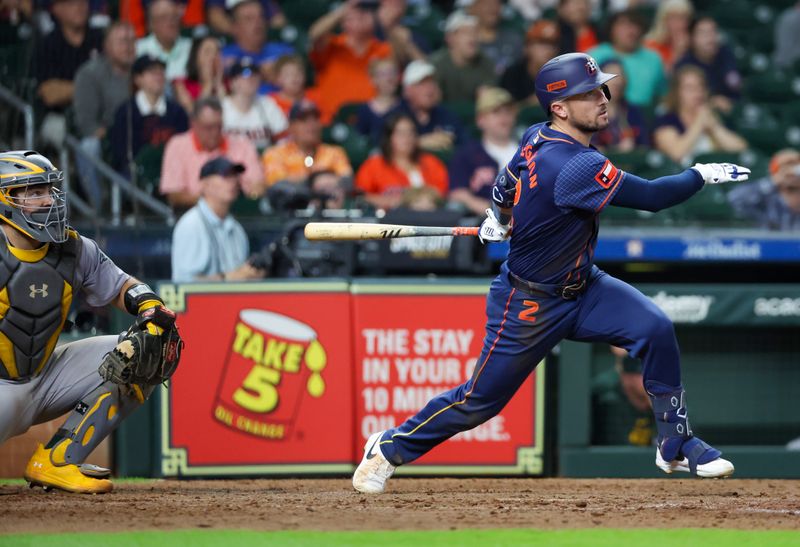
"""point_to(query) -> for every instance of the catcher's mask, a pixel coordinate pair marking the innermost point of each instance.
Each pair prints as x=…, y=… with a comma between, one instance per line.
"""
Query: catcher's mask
x=21, y=171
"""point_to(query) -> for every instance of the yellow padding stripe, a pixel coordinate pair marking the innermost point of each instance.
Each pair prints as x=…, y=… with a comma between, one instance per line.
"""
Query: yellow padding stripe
x=88, y=435
x=66, y=302
x=29, y=255
x=92, y=411
x=477, y=376
x=6, y=347
x=34, y=169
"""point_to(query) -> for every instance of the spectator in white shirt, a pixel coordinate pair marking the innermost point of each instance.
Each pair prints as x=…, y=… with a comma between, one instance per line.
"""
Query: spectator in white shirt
x=248, y=114
x=165, y=41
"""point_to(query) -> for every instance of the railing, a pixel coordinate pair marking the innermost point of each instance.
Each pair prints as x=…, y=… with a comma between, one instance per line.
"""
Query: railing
x=119, y=185
x=24, y=108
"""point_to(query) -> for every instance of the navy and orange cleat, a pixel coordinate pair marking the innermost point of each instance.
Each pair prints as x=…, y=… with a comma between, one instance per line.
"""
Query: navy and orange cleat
x=41, y=471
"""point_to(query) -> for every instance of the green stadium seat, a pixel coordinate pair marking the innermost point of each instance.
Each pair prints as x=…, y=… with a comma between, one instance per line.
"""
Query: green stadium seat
x=644, y=163
x=530, y=115
x=428, y=22
x=246, y=207
x=710, y=204
x=148, y=168
x=295, y=37
x=303, y=13
x=347, y=114
x=773, y=86
x=465, y=110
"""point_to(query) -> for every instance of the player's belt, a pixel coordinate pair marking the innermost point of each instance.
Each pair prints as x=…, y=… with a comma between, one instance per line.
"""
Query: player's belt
x=567, y=292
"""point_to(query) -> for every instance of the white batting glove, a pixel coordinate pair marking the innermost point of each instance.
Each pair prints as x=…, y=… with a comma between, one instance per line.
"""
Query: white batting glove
x=492, y=230
x=716, y=173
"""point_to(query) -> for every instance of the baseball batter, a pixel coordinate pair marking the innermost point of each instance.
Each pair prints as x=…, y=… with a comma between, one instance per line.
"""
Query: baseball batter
x=43, y=265
x=553, y=192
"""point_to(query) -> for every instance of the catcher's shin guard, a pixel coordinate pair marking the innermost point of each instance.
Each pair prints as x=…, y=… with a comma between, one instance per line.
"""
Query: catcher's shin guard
x=92, y=420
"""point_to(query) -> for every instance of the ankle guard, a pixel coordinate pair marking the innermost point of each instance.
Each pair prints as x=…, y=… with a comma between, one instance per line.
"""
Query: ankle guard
x=672, y=422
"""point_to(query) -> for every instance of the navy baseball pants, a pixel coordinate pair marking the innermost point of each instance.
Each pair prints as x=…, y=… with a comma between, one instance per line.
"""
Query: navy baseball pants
x=522, y=327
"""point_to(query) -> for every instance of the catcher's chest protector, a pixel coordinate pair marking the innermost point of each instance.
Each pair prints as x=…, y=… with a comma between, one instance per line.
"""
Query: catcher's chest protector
x=34, y=300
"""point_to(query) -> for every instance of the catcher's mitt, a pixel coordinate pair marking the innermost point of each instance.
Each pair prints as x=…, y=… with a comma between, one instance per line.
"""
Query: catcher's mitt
x=142, y=357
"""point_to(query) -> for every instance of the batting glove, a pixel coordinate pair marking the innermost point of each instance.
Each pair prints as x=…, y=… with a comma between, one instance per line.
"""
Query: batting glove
x=492, y=230
x=717, y=173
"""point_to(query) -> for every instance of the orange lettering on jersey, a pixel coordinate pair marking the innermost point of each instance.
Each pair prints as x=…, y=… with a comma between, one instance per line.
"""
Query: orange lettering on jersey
x=530, y=163
x=528, y=314
x=607, y=174
x=517, y=191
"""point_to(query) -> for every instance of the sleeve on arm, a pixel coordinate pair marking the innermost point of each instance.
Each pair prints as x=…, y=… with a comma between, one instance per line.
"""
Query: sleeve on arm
x=657, y=194
x=102, y=279
x=588, y=182
x=190, y=252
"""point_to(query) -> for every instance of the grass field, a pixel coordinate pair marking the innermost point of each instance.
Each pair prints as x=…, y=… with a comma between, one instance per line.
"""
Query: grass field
x=462, y=538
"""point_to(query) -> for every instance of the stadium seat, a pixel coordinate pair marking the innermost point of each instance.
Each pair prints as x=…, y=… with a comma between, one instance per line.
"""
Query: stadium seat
x=465, y=110
x=428, y=21
x=530, y=115
x=148, y=168
x=303, y=14
x=710, y=204
x=347, y=114
x=772, y=86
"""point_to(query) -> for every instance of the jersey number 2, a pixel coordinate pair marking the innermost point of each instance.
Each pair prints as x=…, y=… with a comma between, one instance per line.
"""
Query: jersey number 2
x=529, y=312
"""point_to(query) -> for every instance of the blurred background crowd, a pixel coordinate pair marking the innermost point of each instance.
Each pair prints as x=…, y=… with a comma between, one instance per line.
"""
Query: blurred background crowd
x=374, y=105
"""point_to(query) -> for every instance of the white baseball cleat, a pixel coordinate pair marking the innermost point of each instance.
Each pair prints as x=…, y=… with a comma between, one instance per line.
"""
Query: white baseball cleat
x=713, y=469
x=374, y=470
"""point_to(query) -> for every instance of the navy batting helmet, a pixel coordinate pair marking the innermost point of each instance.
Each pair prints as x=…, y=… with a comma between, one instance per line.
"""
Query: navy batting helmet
x=567, y=75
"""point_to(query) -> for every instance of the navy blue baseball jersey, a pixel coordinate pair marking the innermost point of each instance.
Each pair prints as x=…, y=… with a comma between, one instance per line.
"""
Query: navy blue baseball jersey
x=561, y=188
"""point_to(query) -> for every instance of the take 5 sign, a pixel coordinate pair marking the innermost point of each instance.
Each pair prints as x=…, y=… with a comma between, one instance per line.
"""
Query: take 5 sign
x=287, y=377
x=265, y=382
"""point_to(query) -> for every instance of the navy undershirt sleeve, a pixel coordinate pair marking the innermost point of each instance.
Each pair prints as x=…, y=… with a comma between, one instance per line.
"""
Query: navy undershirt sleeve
x=661, y=193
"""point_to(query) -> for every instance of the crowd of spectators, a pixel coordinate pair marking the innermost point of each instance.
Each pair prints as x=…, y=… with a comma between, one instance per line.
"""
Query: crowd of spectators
x=440, y=111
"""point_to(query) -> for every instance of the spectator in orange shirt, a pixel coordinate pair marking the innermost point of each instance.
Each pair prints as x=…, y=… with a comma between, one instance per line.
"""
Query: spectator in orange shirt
x=669, y=36
x=575, y=27
x=342, y=61
x=303, y=152
x=400, y=165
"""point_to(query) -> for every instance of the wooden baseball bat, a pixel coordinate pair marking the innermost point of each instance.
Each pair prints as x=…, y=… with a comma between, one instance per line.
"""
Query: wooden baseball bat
x=345, y=231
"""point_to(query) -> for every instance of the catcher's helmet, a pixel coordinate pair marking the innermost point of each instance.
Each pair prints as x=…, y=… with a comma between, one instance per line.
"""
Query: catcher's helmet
x=26, y=168
x=567, y=75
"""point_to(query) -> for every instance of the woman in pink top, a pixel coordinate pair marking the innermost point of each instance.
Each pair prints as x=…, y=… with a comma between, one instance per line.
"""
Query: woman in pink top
x=400, y=165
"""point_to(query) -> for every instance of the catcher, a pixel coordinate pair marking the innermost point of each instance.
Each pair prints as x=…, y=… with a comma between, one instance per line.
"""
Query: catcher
x=99, y=380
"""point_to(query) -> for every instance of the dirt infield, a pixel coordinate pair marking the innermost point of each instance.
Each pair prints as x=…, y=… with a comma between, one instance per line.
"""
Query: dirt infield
x=331, y=504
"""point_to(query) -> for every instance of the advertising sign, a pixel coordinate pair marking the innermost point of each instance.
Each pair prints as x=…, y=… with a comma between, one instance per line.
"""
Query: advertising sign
x=414, y=342
x=264, y=384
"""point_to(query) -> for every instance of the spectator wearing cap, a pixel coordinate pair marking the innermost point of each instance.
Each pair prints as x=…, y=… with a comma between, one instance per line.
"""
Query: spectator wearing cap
x=341, y=61
x=208, y=244
x=153, y=117
x=625, y=30
x=474, y=167
x=400, y=165
x=205, y=76
x=716, y=60
x=627, y=128
x=385, y=75
x=165, y=41
x=187, y=152
x=101, y=85
x=221, y=22
x=250, y=39
x=541, y=45
x=669, y=35
x=303, y=152
x=438, y=128
x=461, y=67
x=575, y=29
x=774, y=201
x=498, y=45
x=245, y=113
x=56, y=59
